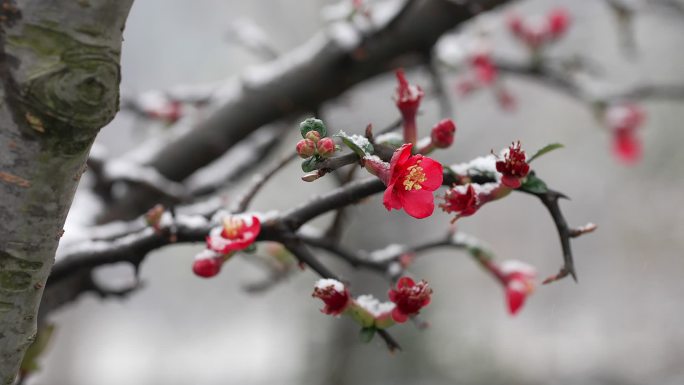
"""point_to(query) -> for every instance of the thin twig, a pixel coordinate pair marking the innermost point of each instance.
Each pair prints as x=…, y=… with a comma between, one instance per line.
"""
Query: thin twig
x=259, y=181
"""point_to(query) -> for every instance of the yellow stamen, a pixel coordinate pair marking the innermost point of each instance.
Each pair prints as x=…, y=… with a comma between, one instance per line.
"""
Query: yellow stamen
x=414, y=178
x=232, y=227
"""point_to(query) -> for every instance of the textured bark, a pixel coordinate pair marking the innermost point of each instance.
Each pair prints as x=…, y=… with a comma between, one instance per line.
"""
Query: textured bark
x=59, y=66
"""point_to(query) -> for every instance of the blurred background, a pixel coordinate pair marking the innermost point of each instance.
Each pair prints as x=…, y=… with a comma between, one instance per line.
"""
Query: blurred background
x=621, y=324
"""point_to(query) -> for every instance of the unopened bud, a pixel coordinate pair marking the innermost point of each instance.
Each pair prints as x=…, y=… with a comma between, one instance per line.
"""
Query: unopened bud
x=442, y=134
x=313, y=124
x=326, y=147
x=313, y=136
x=306, y=148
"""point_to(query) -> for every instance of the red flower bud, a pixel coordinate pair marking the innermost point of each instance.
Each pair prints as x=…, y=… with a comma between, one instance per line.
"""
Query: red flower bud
x=409, y=298
x=237, y=233
x=627, y=145
x=207, y=264
x=334, y=295
x=515, y=24
x=313, y=136
x=306, y=148
x=407, y=98
x=513, y=166
x=485, y=71
x=326, y=147
x=442, y=134
x=518, y=280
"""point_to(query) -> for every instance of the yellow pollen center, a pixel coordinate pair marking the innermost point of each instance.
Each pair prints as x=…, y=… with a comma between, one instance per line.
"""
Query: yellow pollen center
x=232, y=227
x=414, y=178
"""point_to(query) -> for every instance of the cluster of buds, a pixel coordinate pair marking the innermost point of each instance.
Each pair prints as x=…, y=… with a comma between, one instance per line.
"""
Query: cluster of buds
x=538, y=33
x=410, y=180
x=315, y=142
x=406, y=300
x=624, y=121
x=513, y=167
x=238, y=232
x=407, y=98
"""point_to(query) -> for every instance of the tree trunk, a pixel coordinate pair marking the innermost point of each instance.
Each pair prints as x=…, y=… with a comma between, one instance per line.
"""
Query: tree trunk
x=59, y=66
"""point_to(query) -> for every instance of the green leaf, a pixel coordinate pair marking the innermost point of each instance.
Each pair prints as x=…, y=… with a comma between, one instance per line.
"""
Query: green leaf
x=367, y=334
x=357, y=143
x=310, y=164
x=313, y=124
x=544, y=150
x=534, y=185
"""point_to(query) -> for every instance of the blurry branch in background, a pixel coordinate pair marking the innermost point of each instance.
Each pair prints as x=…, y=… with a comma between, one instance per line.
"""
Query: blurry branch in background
x=248, y=34
x=588, y=90
x=296, y=82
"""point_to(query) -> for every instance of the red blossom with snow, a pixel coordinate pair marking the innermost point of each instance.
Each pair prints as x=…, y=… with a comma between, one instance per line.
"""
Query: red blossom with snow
x=624, y=120
x=237, y=233
x=334, y=295
x=409, y=298
x=207, y=264
x=461, y=200
x=407, y=98
x=518, y=279
x=442, y=134
x=411, y=182
x=513, y=166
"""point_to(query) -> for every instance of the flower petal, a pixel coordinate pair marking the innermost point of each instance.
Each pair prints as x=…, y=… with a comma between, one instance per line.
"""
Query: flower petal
x=390, y=199
x=399, y=157
x=515, y=299
x=417, y=203
x=433, y=173
x=398, y=316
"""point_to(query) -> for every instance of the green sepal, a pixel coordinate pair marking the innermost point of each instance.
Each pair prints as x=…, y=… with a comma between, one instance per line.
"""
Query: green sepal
x=357, y=143
x=366, y=334
x=534, y=185
x=313, y=124
x=310, y=164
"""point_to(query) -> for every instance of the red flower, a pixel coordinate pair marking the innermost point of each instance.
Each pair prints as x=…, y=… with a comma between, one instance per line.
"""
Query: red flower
x=207, y=264
x=442, y=134
x=518, y=281
x=334, y=295
x=237, y=233
x=506, y=99
x=409, y=298
x=513, y=166
x=559, y=20
x=412, y=179
x=407, y=98
x=461, y=200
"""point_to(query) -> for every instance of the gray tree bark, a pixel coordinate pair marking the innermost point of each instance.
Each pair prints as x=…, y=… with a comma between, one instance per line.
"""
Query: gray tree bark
x=59, y=71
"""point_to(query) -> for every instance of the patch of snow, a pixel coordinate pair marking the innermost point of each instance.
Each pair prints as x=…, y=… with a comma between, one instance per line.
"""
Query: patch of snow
x=374, y=306
x=326, y=283
x=345, y=35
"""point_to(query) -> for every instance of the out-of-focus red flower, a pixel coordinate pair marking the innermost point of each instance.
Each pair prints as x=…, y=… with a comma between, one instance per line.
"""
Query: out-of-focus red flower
x=442, y=134
x=559, y=21
x=627, y=146
x=624, y=120
x=334, y=295
x=505, y=98
x=408, y=97
x=237, y=233
x=412, y=180
x=409, y=298
x=462, y=200
x=484, y=68
x=513, y=167
x=207, y=264
x=518, y=280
